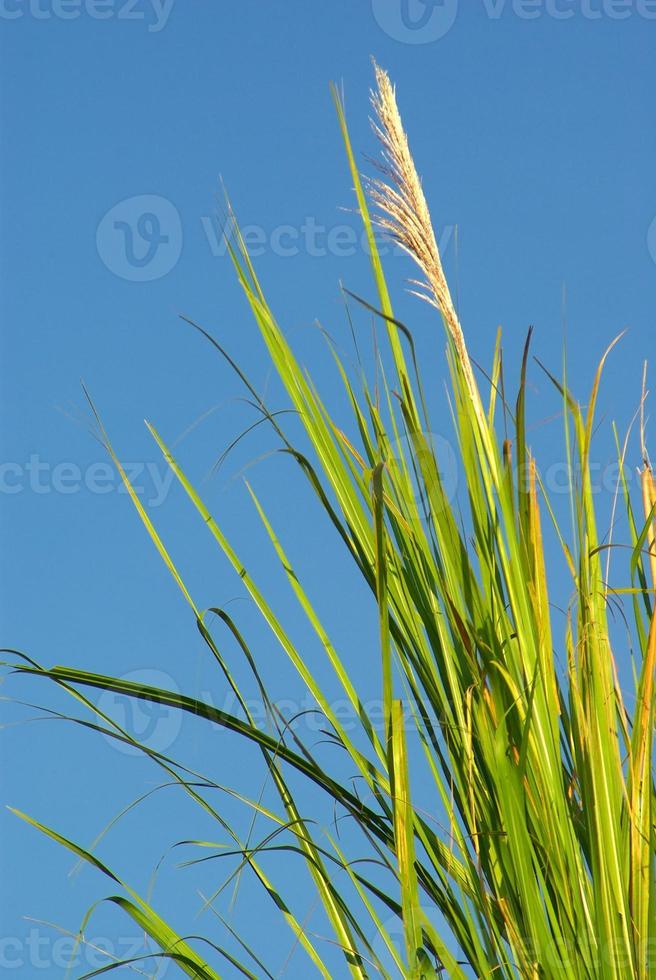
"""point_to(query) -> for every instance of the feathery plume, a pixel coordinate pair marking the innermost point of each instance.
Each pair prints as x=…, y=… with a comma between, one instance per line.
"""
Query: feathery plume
x=404, y=214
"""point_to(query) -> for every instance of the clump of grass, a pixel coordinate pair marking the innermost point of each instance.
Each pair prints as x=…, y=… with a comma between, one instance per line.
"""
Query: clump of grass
x=544, y=863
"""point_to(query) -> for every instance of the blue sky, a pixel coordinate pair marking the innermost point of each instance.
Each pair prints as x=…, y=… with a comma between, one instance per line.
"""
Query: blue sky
x=534, y=129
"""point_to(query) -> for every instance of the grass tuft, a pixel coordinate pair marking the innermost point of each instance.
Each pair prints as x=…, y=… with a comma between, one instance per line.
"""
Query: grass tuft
x=537, y=856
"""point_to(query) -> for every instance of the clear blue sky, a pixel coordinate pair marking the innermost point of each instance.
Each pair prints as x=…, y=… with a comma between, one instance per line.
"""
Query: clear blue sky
x=534, y=127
